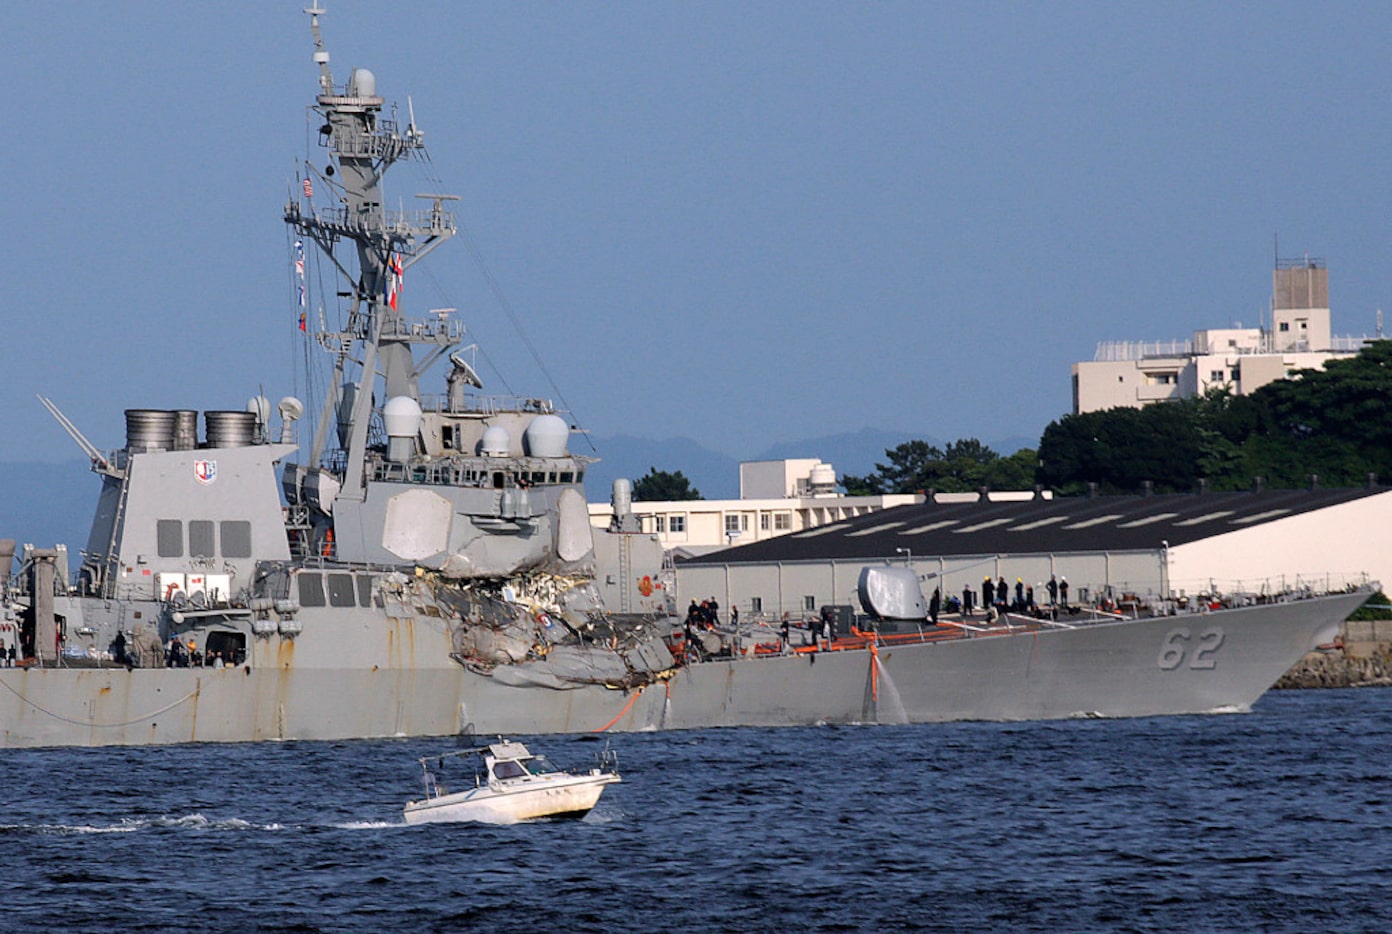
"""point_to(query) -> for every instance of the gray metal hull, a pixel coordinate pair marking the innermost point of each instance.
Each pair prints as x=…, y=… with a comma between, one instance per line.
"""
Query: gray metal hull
x=351, y=674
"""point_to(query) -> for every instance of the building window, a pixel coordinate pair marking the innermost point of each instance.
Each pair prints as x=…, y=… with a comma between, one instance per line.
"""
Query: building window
x=809, y=603
x=1285, y=326
x=782, y=521
x=736, y=522
x=660, y=524
x=676, y=524
x=763, y=522
x=756, y=604
x=1216, y=376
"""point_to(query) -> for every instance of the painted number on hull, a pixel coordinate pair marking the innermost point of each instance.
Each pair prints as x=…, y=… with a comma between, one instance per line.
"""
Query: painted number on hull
x=1199, y=652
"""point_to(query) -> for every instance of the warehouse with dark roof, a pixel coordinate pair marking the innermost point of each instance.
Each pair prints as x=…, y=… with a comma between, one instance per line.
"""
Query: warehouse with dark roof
x=1261, y=541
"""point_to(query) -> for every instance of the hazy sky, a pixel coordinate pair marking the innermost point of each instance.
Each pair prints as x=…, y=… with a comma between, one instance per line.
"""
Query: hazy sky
x=742, y=223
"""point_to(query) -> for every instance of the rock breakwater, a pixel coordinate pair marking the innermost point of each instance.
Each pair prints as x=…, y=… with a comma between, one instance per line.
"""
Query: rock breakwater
x=1360, y=657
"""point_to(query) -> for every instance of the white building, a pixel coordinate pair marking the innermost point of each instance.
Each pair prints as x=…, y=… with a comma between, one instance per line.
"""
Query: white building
x=1137, y=373
x=776, y=498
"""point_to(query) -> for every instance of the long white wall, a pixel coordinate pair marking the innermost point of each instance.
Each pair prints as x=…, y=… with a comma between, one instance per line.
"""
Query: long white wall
x=1337, y=544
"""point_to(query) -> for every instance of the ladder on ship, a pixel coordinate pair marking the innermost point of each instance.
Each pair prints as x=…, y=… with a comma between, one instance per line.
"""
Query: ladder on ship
x=108, y=582
x=625, y=573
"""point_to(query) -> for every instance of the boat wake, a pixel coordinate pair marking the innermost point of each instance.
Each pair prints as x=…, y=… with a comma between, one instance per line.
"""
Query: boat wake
x=196, y=822
x=1231, y=709
x=202, y=824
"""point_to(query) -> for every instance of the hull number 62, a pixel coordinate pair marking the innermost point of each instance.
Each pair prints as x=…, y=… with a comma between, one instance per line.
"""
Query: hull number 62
x=1182, y=648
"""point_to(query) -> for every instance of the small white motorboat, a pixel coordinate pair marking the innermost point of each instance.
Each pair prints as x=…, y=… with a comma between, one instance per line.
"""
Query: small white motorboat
x=509, y=784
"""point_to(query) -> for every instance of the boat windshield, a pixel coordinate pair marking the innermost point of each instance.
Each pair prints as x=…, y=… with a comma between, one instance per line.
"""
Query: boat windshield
x=539, y=765
x=508, y=768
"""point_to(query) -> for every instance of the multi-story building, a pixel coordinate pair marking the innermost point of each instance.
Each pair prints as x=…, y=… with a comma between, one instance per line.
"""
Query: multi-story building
x=776, y=497
x=1138, y=373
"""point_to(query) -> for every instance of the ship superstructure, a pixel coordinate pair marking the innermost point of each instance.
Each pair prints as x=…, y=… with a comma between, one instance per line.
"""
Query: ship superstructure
x=468, y=486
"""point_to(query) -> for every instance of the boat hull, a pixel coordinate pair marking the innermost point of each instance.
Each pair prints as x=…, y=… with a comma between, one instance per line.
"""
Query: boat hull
x=573, y=796
x=324, y=686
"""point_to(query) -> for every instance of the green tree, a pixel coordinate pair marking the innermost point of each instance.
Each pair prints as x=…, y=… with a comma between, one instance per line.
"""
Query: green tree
x=1376, y=607
x=1223, y=421
x=963, y=466
x=1121, y=449
x=908, y=464
x=662, y=486
x=1333, y=422
x=1016, y=472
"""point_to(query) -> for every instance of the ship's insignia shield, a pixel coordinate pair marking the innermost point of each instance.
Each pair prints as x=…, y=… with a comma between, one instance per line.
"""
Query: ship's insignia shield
x=205, y=471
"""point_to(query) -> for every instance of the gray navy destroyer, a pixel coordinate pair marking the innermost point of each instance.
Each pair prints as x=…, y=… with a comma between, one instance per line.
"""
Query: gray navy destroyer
x=425, y=565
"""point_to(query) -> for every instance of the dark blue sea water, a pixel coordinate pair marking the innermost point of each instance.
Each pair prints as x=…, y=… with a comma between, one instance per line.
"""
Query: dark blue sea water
x=1277, y=820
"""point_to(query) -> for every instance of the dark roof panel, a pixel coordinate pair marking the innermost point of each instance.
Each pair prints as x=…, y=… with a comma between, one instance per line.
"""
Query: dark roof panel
x=1102, y=523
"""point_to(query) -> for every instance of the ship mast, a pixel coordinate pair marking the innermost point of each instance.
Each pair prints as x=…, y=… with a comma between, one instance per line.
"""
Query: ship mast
x=362, y=146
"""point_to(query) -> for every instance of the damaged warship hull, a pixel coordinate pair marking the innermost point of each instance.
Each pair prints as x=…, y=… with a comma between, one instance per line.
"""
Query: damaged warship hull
x=352, y=676
x=424, y=564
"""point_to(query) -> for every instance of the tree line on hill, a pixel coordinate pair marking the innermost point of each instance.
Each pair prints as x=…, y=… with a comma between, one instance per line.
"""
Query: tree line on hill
x=1332, y=426
x=1328, y=425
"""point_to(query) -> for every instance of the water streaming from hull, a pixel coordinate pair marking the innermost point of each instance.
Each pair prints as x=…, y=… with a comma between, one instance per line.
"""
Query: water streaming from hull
x=889, y=706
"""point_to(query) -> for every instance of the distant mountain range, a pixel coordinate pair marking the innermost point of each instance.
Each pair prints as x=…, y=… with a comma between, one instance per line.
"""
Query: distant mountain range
x=43, y=504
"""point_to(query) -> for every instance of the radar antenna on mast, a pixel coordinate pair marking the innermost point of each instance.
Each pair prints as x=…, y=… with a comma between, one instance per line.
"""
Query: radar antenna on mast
x=465, y=371
x=321, y=57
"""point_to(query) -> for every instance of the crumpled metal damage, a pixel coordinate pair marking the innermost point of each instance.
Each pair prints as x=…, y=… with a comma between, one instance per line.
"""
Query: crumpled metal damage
x=545, y=630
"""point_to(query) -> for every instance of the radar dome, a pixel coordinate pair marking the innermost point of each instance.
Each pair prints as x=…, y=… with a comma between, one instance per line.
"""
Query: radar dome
x=401, y=416
x=290, y=408
x=495, y=441
x=362, y=84
x=259, y=406
x=546, y=436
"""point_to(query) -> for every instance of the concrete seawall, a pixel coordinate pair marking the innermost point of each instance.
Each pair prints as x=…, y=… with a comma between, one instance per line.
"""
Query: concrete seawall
x=1361, y=657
